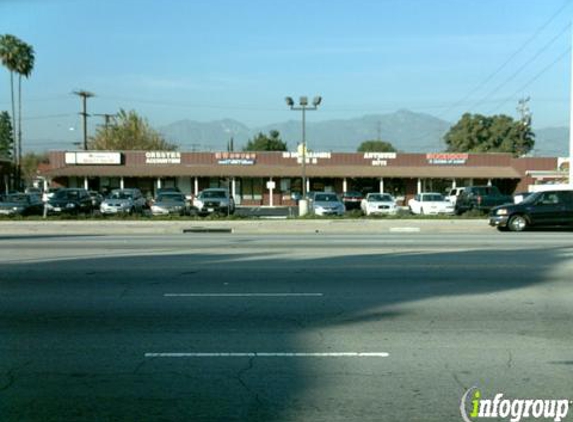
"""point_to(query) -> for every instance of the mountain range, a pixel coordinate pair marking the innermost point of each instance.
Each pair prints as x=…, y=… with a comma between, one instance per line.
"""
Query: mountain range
x=406, y=130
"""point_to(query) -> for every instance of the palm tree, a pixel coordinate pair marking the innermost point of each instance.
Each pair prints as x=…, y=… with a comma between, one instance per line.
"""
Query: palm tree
x=9, y=50
x=24, y=67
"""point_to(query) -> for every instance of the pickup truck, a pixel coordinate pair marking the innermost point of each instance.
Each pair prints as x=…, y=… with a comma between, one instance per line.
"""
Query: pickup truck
x=481, y=198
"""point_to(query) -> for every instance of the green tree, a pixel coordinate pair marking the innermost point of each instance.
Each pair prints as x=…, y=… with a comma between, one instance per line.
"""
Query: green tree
x=9, y=51
x=376, y=146
x=500, y=133
x=24, y=67
x=18, y=58
x=6, y=136
x=30, y=163
x=129, y=131
x=262, y=142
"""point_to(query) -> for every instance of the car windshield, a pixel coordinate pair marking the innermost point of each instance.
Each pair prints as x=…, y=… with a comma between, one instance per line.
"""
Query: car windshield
x=326, y=197
x=212, y=194
x=67, y=194
x=352, y=194
x=170, y=198
x=529, y=199
x=118, y=194
x=433, y=197
x=380, y=198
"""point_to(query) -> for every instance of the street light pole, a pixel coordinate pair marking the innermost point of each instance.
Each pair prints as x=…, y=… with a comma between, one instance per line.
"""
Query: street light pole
x=303, y=106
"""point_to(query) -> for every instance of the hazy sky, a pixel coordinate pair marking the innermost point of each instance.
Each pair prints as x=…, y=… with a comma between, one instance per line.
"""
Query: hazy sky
x=212, y=59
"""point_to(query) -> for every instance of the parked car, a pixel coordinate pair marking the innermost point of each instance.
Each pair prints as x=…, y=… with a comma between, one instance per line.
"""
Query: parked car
x=123, y=201
x=214, y=200
x=430, y=203
x=169, y=189
x=482, y=198
x=170, y=203
x=21, y=204
x=34, y=191
x=325, y=203
x=453, y=194
x=378, y=203
x=352, y=199
x=71, y=201
x=48, y=194
x=541, y=209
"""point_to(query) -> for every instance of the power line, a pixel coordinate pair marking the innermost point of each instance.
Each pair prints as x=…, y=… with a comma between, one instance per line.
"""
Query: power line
x=49, y=116
x=535, y=78
x=522, y=67
x=511, y=57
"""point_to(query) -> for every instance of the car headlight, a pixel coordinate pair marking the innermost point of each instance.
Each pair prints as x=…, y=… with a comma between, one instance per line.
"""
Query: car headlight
x=18, y=208
x=70, y=205
x=501, y=211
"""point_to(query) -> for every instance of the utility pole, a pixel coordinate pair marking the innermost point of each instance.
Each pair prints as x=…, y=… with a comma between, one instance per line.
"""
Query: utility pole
x=107, y=118
x=84, y=96
x=525, y=118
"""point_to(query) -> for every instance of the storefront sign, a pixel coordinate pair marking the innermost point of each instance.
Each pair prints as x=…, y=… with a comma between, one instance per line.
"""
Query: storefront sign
x=162, y=157
x=311, y=157
x=447, y=158
x=379, y=159
x=236, y=158
x=93, y=158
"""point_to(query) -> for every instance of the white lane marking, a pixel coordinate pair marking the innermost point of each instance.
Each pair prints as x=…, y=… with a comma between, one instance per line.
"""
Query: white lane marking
x=404, y=229
x=270, y=355
x=243, y=294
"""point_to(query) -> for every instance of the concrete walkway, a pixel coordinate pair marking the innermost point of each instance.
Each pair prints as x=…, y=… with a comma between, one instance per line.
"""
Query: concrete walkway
x=117, y=227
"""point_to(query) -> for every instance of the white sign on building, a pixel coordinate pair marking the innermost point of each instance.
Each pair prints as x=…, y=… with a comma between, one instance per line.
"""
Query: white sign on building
x=93, y=158
x=379, y=159
x=162, y=157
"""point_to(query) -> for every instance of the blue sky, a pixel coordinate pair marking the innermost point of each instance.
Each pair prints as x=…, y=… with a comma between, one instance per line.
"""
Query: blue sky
x=212, y=59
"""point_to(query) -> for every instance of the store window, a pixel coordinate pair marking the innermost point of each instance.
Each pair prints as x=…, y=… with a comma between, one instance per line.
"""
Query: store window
x=252, y=188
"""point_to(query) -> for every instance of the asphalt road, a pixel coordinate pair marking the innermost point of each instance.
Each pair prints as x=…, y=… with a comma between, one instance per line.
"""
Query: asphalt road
x=195, y=327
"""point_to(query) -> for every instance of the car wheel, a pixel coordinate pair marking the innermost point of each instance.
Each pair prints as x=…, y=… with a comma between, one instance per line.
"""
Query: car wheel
x=132, y=211
x=517, y=223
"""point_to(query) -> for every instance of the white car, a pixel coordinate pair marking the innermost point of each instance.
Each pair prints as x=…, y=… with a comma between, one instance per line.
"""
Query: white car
x=378, y=203
x=325, y=204
x=430, y=203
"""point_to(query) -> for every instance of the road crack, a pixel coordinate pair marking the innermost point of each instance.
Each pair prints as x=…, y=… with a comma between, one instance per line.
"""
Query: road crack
x=241, y=373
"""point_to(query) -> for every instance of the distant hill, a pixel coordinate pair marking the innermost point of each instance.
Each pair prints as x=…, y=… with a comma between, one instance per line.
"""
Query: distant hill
x=552, y=142
x=406, y=130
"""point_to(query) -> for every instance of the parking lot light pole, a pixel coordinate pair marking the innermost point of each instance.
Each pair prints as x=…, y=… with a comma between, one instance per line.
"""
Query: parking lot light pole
x=303, y=106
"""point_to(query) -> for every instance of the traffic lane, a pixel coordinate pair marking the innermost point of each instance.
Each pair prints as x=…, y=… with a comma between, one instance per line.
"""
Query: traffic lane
x=352, y=321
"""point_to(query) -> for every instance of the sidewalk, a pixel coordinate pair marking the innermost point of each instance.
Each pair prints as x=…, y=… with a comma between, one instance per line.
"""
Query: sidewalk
x=148, y=227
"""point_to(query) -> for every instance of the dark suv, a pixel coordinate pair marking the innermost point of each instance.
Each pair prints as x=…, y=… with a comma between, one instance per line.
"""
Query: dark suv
x=550, y=208
x=70, y=201
x=481, y=198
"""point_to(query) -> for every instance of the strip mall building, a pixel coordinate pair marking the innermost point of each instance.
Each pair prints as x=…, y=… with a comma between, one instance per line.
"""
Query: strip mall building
x=271, y=178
